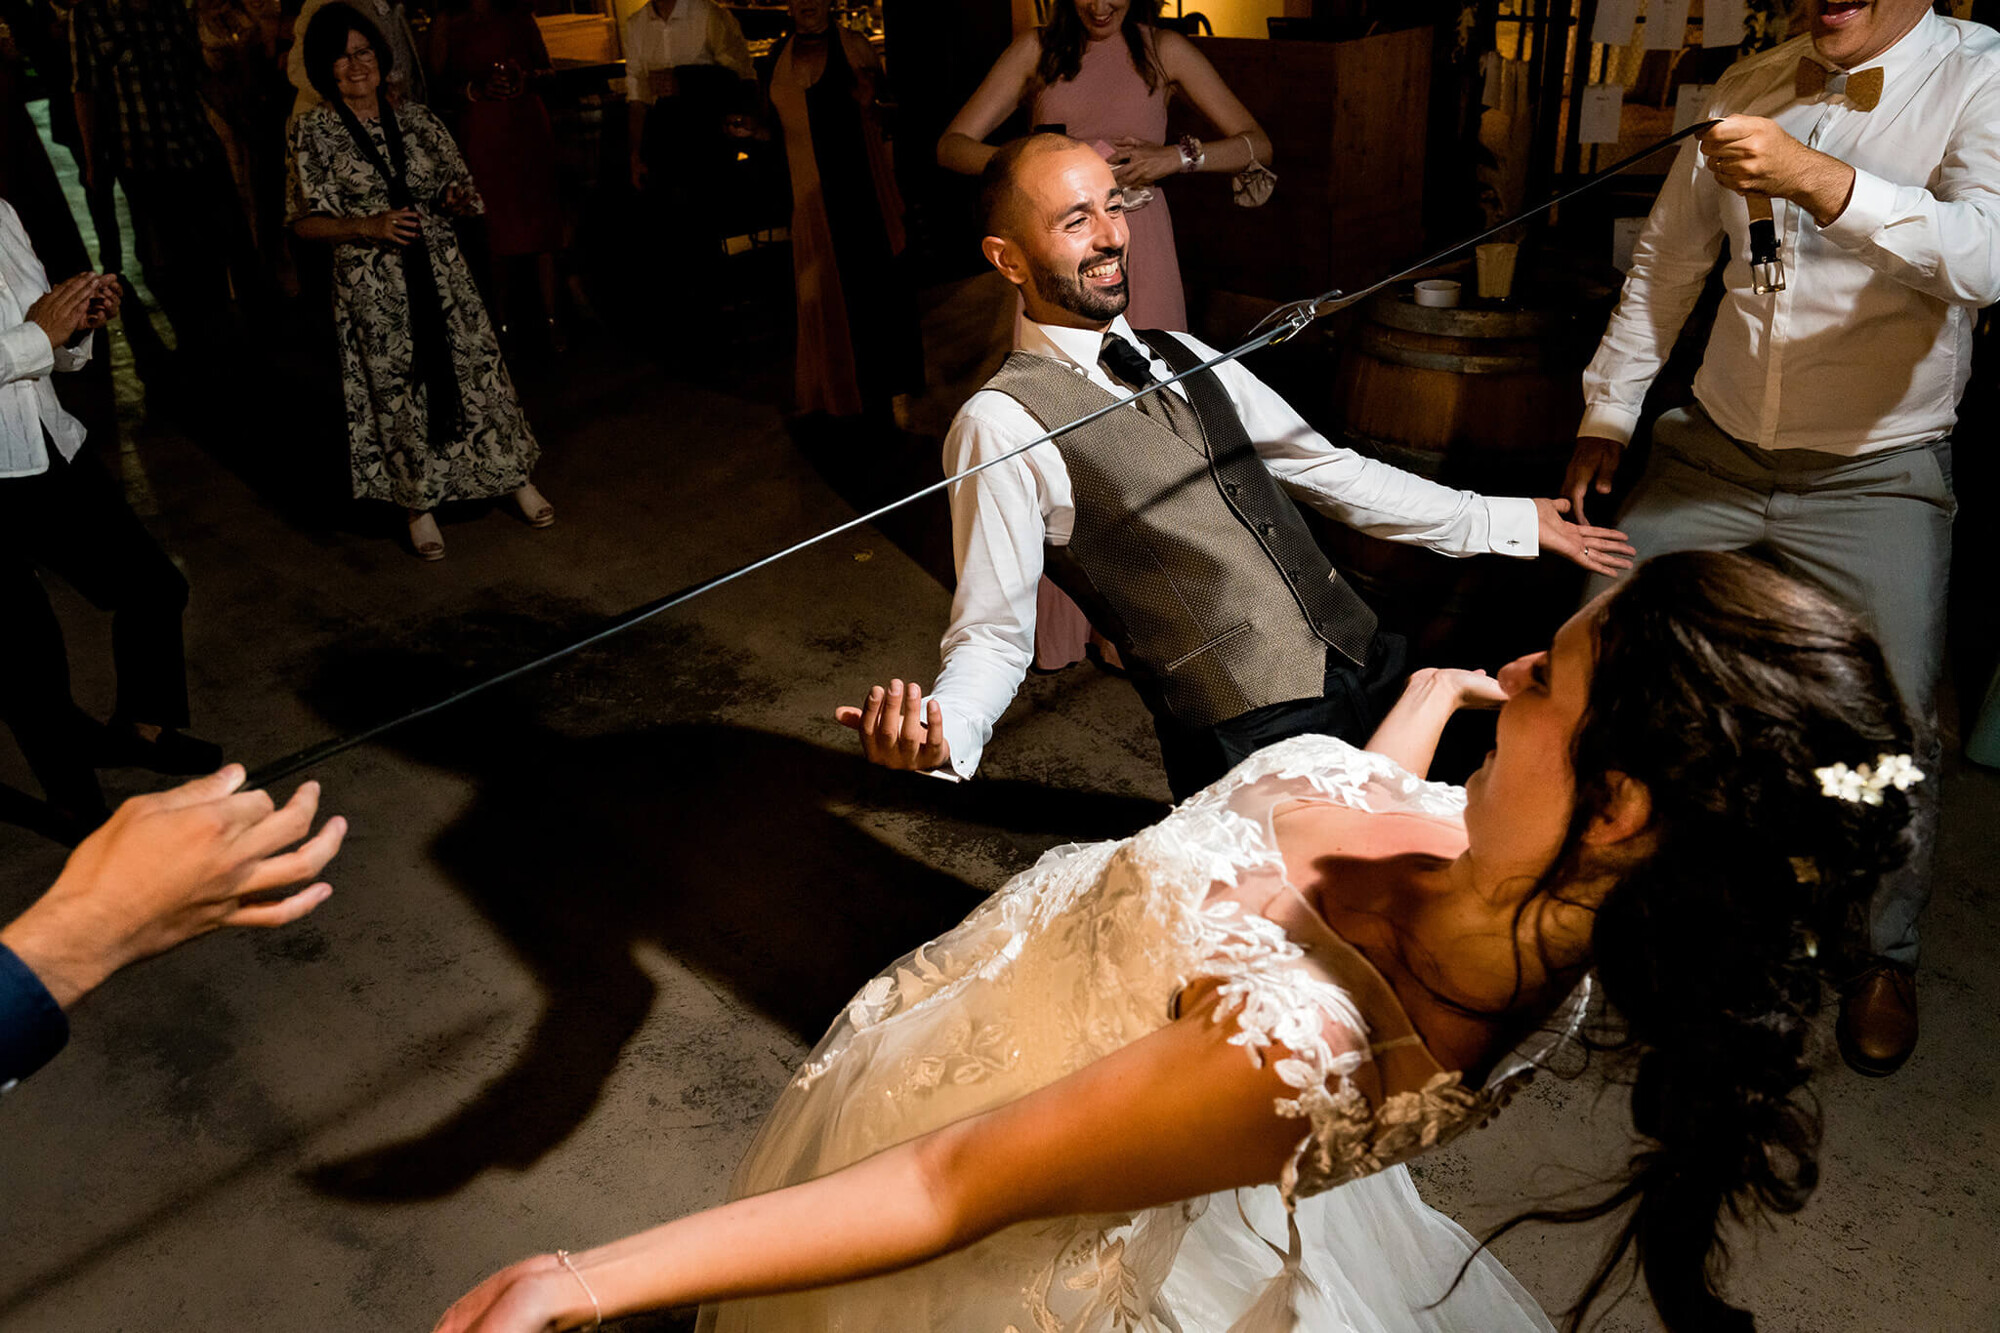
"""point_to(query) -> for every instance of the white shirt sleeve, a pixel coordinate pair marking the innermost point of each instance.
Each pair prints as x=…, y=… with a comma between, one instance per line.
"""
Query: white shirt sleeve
x=637, y=87
x=998, y=528
x=66, y=359
x=1365, y=493
x=1945, y=240
x=1670, y=264
x=726, y=43
x=25, y=353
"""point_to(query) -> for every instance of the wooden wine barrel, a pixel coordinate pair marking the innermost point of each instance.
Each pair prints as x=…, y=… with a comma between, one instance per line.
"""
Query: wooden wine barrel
x=1485, y=400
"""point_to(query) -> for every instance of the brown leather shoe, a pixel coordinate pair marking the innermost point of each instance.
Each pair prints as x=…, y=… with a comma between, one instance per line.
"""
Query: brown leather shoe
x=1878, y=1019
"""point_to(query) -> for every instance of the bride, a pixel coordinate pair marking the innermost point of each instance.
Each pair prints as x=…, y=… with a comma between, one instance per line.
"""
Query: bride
x=1165, y=1084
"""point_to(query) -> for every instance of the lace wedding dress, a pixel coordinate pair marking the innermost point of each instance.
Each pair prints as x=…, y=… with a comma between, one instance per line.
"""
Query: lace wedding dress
x=1088, y=951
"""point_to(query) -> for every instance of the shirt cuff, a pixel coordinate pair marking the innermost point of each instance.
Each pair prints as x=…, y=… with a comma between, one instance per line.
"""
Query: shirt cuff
x=1513, y=527
x=27, y=352
x=1868, y=210
x=33, y=1026
x=1606, y=422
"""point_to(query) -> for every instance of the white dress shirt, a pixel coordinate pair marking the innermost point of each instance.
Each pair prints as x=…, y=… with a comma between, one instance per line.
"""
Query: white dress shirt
x=1870, y=344
x=1001, y=518
x=27, y=398
x=698, y=33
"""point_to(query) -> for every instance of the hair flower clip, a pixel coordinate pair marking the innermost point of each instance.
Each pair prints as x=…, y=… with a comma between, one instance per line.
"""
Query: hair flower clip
x=1866, y=784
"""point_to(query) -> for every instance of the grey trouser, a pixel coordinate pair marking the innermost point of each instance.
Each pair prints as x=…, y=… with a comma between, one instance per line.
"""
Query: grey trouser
x=1875, y=531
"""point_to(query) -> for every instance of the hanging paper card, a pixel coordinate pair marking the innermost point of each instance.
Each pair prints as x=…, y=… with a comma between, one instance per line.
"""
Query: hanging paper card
x=1666, y=24
x=1624, y=237
x=1722, y=23
x=1597, y=119
x=1691, y=103
x=1615, y=19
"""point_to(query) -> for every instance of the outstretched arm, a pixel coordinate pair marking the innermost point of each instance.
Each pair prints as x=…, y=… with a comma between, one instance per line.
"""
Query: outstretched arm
x=1175, y=1115
x=1409, y=734
x=962, y=148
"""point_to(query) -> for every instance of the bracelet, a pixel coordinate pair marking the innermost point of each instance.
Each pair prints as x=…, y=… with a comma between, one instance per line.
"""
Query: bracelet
x=562, y=1257
x=1192, y=153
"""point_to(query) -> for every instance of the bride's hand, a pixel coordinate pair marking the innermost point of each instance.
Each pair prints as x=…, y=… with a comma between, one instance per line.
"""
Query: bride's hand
x=1464, y=689
x=521, y=1298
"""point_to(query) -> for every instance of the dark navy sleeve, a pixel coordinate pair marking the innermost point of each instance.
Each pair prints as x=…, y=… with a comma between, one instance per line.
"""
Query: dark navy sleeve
x=33, y=1026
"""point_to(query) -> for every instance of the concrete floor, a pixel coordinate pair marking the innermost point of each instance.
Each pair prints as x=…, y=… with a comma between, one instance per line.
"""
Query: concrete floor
x=585, y=927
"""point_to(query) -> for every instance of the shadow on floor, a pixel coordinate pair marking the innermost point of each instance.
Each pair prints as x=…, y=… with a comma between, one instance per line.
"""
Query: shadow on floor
x=716, y=843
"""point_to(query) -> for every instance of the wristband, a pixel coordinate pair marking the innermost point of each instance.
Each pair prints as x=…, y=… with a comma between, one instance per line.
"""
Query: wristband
x=1192, y=153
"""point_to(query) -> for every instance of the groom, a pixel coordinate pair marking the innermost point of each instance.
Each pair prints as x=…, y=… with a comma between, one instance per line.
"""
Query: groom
x=1171, y=521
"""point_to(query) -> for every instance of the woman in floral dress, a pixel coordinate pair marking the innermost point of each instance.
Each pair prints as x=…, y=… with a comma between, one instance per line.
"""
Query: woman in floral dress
x=431, y=413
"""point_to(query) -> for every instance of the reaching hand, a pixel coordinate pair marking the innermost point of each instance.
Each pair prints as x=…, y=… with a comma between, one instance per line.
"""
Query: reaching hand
x=398, y=226
x=1465, y=689
x=1599, y=550
x=895, y=731
x=521, y=1298
x=1593, y=464
x=169, y=867
x=62, y=310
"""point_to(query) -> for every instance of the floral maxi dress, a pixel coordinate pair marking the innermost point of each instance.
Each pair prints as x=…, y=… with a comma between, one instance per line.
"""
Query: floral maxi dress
x=390, y=452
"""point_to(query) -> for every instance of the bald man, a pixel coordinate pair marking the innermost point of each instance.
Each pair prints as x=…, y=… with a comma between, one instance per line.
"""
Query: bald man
x=1171, y=521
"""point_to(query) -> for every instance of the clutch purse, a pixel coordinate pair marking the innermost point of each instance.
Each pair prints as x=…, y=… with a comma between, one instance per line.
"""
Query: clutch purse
x=1252, y=186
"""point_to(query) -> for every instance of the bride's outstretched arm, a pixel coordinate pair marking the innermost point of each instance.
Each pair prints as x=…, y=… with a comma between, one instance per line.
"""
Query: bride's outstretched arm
x=1175, y=1115
x=1409, y=734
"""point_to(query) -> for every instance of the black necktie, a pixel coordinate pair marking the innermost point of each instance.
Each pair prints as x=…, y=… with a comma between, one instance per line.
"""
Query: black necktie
x=1128, y=365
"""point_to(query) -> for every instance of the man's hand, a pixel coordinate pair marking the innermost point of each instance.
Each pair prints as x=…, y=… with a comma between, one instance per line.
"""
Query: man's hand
x=171, y=866
x=638, y=172
x=895, y=731
x=62, y=310
x=1592, y=466
x=104, y=302
x=1751, y=155
x=1599, y=550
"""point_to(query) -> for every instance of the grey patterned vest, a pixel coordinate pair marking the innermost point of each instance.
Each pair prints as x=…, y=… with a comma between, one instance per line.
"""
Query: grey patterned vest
x=1185, y=552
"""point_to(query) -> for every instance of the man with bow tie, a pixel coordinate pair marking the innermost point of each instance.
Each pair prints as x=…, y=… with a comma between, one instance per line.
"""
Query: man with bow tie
x=1171, y=520
x=1821, y=427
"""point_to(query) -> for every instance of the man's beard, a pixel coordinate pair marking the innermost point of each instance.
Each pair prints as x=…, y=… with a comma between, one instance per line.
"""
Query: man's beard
x=1068, y=291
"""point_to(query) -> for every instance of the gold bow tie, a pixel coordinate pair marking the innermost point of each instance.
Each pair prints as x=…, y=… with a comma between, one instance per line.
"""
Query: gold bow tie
x=1863, y=89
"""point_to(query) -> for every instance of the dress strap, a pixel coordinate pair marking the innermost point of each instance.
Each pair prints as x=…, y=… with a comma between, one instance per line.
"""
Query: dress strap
x=1396, y=1043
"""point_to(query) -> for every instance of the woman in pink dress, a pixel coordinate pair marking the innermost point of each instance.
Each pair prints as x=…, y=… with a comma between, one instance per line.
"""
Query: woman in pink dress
x=1104, y=74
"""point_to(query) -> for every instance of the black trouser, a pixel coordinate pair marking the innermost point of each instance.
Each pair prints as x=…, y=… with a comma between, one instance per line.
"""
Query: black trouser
x=1353, y=701
x=72, y=521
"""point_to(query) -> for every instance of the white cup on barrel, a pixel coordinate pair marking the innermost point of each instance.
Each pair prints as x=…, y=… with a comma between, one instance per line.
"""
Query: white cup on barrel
x=1438, y=293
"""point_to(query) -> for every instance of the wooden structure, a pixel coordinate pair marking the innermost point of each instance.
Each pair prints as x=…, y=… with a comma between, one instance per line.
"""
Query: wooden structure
x=1347, y=123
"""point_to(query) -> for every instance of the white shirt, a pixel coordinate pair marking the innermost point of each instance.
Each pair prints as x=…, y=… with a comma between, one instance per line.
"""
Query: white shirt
x=1870, y=344
x=27, y=398
x=697, y=33
x=406, y=80
x=1001, y=518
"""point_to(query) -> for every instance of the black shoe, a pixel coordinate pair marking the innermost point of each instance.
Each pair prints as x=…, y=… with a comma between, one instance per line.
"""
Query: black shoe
x=173, y=753
x=1878, y=1019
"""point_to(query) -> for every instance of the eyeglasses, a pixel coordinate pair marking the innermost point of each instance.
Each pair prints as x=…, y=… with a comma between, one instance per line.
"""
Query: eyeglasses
x=362, y=56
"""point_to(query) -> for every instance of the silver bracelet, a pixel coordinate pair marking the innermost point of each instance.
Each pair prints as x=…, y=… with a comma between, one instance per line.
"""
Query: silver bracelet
x=562, y=1257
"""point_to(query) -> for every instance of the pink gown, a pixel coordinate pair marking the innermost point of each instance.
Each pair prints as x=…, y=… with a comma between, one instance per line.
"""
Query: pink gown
x=1108, y=100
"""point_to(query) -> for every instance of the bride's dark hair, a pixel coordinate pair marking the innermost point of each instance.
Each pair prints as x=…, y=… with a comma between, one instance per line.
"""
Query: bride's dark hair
x=1722, y=684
